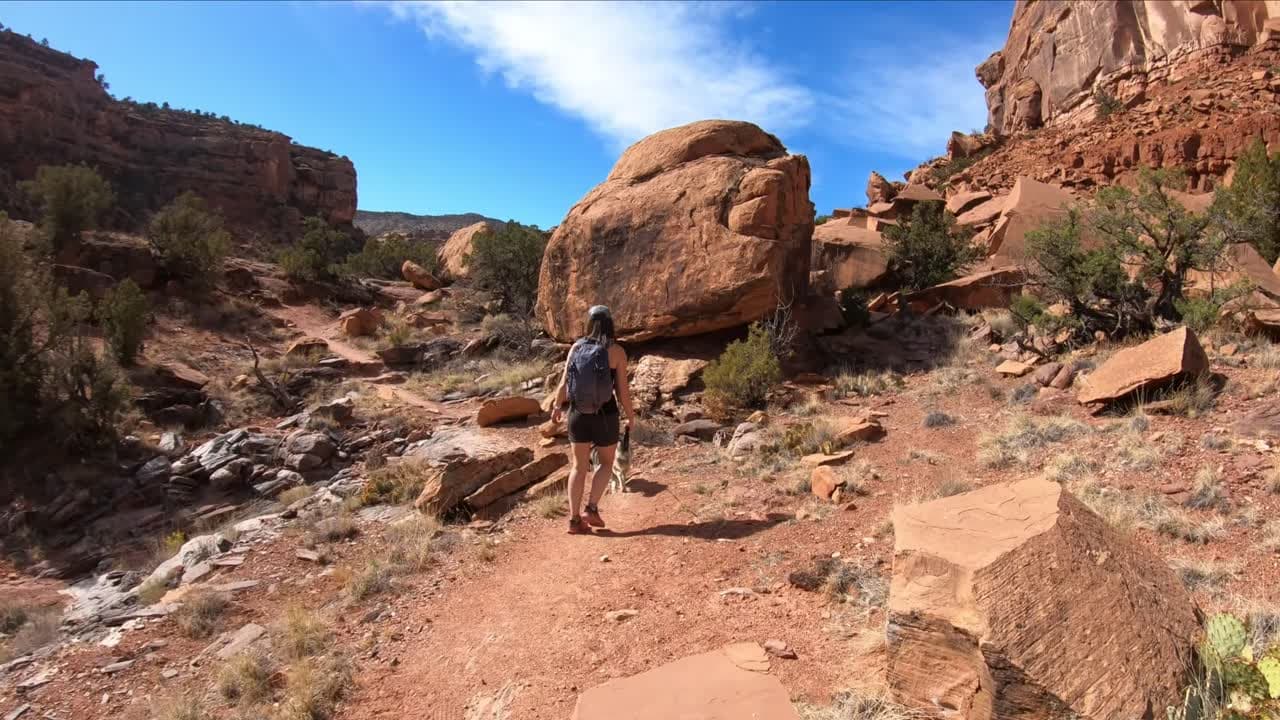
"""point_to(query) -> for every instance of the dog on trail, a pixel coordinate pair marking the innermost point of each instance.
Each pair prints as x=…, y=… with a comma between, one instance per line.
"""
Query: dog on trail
x=621, y=463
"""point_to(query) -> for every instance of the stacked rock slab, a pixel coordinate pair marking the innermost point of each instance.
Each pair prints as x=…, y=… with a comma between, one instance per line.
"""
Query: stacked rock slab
x=1016, y=601
x=462, y=460
x=697, y=228
x=1176, y=355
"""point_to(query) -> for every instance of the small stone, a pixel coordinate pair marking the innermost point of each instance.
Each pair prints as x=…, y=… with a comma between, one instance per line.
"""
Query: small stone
x=1013, y=368
x=117, y=667
x=780, y=649
x=309, y=555
x=604, y=558
x=18, y=712
x=169, y=674
x=621, y=615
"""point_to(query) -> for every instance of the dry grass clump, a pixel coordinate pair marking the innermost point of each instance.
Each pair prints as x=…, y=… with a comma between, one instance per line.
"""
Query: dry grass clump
x=246, y=678
x=857, y=476
x=29, y=629
x=396, y=483
x=650, y=432
x=333, y=529
x=1263, y=620
x=186, y=707
x=150, y=592
x=1207, y=575
x=1193, y=399
x=479, y=376
x=302, y=633
x=952, y=485
x=1021, y=436
x=294, y=494
x=201, y=613
x=1069, y=467
x=1217, y=443
x=1271, y=536
x=1208, y=493
x=1266, y=356
x=373, y=579
x=860, y=705
x=937, y=419
x=550, y=506
x=866, y=383
x=1272, y=480
x=844, y=581
x=1127, y=510
x=413, y=542
x=314, y=688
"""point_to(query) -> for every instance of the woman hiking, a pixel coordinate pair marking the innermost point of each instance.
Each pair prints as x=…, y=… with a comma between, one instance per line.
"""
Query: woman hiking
x=592, y=387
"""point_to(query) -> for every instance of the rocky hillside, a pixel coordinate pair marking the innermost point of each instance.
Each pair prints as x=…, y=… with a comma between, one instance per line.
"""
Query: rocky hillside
x=440, y=227
x=54, y=109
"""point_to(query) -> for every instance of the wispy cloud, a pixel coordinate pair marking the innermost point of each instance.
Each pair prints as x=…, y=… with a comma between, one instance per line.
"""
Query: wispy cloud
x=907, y=102
x=627, y=68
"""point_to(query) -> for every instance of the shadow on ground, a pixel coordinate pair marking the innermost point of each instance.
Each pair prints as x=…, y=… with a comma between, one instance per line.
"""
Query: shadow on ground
x=709, y=530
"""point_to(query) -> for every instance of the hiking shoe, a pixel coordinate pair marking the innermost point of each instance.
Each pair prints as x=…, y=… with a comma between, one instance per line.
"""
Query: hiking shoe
x=592, y=515
x=578, y=527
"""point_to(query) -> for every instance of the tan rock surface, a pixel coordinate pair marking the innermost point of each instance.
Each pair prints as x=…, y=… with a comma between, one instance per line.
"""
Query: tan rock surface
x=1015, y=600
x=879, y=190
x=1156, y=362
x=656, y=377
x=697, y=228
x=1028, y=206
x=727, y=684
x=851, y=255
x=461, y=461
x=360, y=322
x=517, y=479
x=418, y=275
x=986, y=289
x=452, y=255
x=505, y=409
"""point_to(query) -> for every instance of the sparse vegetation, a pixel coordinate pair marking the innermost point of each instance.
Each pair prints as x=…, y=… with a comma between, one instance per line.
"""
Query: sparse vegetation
x=333, y=529
x=294, y=494
x=1208, y=493
x=186, y=707
x=1249, y=210
x=1206, y=575
x=937, y=419
x=72, y=199
x=413, y=542
x=1194, y=398
x=314, y=688
x=507, y=263
x=29, y=629
x=123, y=314
x=1107, y=103
x=745, y=372
x=317, y=254
x=860, y=705
x=928, y=248
x=382, y=257
x=550, y=506
x=866, y=383
x=1022, y=435
x=190, y=239
x=373, y=579
x=201, y=613
x=303, y=634
x=396, y=483
x=246, y=678
x=952, y=486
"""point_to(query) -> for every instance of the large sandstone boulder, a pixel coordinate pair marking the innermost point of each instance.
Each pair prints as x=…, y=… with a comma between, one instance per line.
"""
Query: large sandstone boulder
x=418, y=275
x=656, y=377
x=992, y=288
x=726, y=684
x=452, y=255
x=1017, y=601
x=852, y=256
x=879, y=190
x=1153, y=364
x=462, y=461
x=518, y=479
x=1027, y=207
x=505, y=409
x=1242, y=264
x=1057, y=52
x=697, y=228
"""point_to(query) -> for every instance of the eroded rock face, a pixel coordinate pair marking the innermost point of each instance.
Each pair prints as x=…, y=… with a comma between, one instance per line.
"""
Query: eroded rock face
x=850, y=255
x=463, y=461
x=1172, y=356
x=1016, y=601
x=53, y=111
x=697, y=228
x=1058, y=51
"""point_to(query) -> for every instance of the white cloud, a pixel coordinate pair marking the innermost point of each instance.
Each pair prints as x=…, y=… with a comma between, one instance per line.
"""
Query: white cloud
x=907, y=101
x=627, y=68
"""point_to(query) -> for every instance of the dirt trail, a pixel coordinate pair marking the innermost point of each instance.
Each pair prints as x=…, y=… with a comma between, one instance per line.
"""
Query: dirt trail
x=530, y=627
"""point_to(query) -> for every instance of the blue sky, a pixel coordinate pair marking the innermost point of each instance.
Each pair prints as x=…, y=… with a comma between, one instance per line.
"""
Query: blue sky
x=515, y=111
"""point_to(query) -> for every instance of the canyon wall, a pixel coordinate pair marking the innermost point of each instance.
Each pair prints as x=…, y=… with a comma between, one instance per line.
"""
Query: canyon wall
x=55, y=110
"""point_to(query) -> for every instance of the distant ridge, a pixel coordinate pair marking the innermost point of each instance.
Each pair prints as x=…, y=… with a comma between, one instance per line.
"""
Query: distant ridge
x=376, y=223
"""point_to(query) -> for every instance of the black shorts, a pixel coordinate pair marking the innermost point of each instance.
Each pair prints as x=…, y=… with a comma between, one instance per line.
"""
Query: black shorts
x=600, y=429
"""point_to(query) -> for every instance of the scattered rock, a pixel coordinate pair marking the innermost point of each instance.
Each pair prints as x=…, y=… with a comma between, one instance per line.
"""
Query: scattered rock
x=307, y=347
x=309, y=555
x=1000, y=593
x=823, y=482
x=1045, y=374
x=506, y=409
x=360, y=322
x=517, y=479
x=1013, y=368
x=621, y=615
x=416, y=274
x=702, y=429
x=463, y=460
x=839, y=458
x=116, y=667
x=1066, y=375
x=866, y=430
x=779, y=649
x=241, y=640
x=1154, y=363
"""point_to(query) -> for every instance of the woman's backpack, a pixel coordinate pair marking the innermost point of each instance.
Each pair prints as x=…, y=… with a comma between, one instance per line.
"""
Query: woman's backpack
x=589, y=378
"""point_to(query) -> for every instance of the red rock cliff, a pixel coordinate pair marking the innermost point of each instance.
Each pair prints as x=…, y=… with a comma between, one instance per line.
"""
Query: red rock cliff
x=1059, y=51
x=54, y=111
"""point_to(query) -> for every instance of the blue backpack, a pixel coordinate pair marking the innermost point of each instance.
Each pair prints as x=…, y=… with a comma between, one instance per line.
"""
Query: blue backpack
x=588, y=375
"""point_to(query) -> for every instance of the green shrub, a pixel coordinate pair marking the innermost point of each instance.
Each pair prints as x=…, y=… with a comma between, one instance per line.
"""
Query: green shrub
x=72, y=198
x=189, y=238
x=1249, y=210
x=507, y=262
x=1108, y=104
x=51, y=380
x=928, y=248
x=123, y=314
x=745, y=373
x=853, y=308
x=382, y=257
x=958, y=164
x=318, y=253
x=821, y=219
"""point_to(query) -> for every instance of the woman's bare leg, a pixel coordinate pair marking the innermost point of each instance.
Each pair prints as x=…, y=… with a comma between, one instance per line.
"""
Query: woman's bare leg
x=578, y=477
x=600, y=481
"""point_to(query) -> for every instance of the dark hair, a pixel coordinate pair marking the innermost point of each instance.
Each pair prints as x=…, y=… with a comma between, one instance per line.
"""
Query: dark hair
x=600, y=325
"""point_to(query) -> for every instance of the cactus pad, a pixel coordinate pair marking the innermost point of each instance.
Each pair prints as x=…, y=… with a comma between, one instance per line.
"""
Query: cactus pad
x=1269, y=666
x=1226, y=635
x=1245, y=678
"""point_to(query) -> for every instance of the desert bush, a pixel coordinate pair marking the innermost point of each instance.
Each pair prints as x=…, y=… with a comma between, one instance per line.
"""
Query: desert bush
x=937, y=419
x=413, y=542
x=1193, y=398
x=1107, y=103
x=821, y=219
x=952, y=486
x=1249, y=210
x=318, y=253
x=1208, y=493
x=374, y=578
x=246, y=678
x=1201, y=574
x=928, y=248
x=853, y=308
x=303, y=634
x=72, y=198
x=515, y=333
x=314, y=688
x=867, y=383
x=186, y=707
x=1023, y=434
x=189, y=238
x=201, y=613
x=745, y=372
x=382, y=257
x=550, y=506
x=507, y=262
x=860, y=705
x=333, y=529
x=123, y=315
x=395, y=484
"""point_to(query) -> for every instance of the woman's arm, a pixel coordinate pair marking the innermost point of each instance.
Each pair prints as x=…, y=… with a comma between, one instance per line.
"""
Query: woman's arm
x=624, y=386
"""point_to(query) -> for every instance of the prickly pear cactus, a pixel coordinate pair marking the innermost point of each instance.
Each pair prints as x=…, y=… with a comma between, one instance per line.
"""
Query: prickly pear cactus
x=1269, y=666
x=1245, y=678
x=1226, y=635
